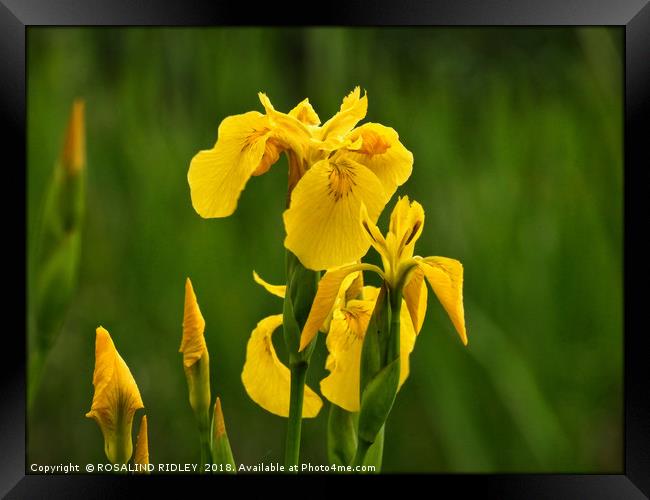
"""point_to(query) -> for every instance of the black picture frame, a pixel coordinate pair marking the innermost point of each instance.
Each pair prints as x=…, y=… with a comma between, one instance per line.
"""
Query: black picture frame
x=633, y=15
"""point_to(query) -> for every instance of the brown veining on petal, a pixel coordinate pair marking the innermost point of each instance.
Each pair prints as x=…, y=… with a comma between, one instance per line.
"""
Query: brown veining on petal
x=341, y=179
x=254, y=135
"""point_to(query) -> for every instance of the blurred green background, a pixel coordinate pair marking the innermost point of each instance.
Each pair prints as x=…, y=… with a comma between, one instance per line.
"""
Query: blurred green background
x=517, y=139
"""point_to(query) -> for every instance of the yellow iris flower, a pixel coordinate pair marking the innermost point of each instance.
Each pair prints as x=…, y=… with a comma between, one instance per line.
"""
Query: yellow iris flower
x=334, y=168
x=266, y=379
x=402, y=271
x=345, y=335
x=345, y=327
x=116, y=399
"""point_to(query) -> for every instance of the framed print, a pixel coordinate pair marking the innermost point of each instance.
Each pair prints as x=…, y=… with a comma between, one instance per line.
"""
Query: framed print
x=372, y=242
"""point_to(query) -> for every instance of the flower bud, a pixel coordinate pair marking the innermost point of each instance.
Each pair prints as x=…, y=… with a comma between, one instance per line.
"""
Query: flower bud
x=196, y=361
x=141, y=457
x=220, y=445
x=115, y=400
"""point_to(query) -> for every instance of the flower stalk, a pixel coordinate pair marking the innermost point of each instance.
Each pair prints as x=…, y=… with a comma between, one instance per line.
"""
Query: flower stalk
x=196, y=363
x=302, y=284
x=294, y=423
x=204, y=439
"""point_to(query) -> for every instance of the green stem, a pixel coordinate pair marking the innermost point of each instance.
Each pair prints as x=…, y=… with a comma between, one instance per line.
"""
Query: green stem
x=292, y=450
x=204, y=437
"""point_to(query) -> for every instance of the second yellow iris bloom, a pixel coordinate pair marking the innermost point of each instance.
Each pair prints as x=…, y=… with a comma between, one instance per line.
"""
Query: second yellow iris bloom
x=267, y=380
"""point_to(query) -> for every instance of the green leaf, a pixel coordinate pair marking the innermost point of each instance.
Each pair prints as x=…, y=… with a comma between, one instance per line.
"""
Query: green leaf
x=376, y=452
x=372, y=352
x=341, y=435
x=55, y=286
x=377, y=400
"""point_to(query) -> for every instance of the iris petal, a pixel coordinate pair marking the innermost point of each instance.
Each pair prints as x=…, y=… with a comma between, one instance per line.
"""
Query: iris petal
x=328, y=291
x=446, y=278
x=217, y=176
x=277, y=290
x=266, y=380
x=383, y=153
x=353, y=109
x=322, y=221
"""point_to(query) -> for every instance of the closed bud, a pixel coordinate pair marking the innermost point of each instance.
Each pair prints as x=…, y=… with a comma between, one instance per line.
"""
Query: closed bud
x=73, y=155
x=196, y=361
x=141, y=456
x=116, y=399
x=220, y=445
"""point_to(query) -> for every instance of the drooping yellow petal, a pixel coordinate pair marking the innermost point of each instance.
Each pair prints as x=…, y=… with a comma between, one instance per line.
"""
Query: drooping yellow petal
x=277, y=290
x=141, y=456
x=406, y=223
x=217, y=176
x=416, y=296
x=353, y=109
x=304, y=112
x=345, y=342
x=407, y=335
x=383, y=153
x=193, y=343
x=322, y=221
x=328, y=290
x=115, y=400
x=446, y=278
x=266, y=380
